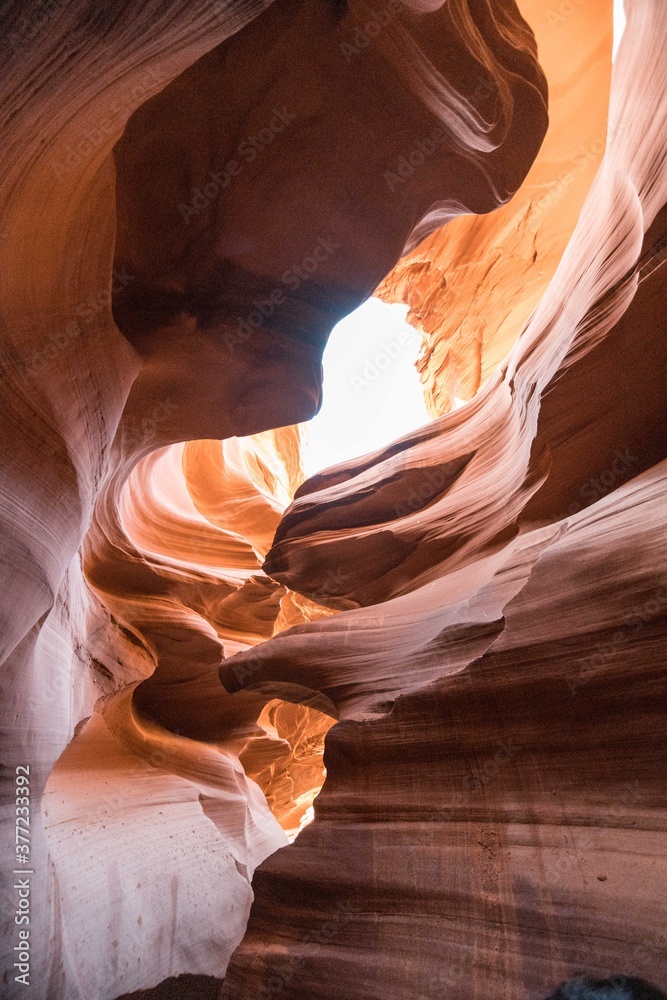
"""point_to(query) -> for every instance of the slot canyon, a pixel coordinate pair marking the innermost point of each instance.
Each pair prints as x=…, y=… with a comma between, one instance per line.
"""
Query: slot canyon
x=391, y=728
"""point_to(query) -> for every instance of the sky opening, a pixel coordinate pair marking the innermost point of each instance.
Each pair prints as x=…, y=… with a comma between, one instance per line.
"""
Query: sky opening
x=372, y=391
x=619, y=26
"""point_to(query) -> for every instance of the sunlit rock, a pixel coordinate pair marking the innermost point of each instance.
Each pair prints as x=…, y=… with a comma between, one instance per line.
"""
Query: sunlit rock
x=463, y=633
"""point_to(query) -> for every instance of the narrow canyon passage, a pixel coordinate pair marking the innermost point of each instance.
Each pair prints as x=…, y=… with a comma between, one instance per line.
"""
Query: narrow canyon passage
x=463, y=630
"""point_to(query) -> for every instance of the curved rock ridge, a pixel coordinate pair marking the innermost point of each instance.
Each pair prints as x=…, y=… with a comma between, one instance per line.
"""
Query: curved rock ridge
x=502, y=829
x=193, y=269
x=175, y=552
x=88, y=413
x=232, y=179
x=444, y=523
x=75, y=73
x=529, y=847
x=228, y=281
x=194, y=266
x=124, y=794
x=472, y=284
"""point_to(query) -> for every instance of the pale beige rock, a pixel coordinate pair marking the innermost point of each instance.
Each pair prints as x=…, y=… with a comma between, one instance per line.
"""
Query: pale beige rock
x=441, y=598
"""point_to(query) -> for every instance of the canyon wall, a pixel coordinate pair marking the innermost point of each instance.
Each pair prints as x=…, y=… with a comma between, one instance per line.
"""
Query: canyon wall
x=193, y=195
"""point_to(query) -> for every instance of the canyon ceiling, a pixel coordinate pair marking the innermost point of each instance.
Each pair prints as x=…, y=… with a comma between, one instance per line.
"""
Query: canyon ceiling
x=464, y=633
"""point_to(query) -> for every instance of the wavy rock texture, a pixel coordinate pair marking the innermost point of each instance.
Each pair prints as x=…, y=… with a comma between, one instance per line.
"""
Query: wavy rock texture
x=529, y=847
x=481, y=604
x=472, y=285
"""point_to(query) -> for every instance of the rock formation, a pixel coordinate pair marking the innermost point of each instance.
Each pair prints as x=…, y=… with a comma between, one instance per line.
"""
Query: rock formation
x=464, y=632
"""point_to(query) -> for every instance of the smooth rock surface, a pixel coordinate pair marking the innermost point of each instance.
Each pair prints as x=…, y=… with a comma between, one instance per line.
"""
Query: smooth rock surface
x=192, y=195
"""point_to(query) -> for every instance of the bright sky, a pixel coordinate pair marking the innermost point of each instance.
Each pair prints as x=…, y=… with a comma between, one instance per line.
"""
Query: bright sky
x=619, y=25
x=372, y=392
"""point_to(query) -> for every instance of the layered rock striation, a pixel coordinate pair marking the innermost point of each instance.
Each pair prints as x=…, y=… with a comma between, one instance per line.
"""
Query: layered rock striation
x=473, y=617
